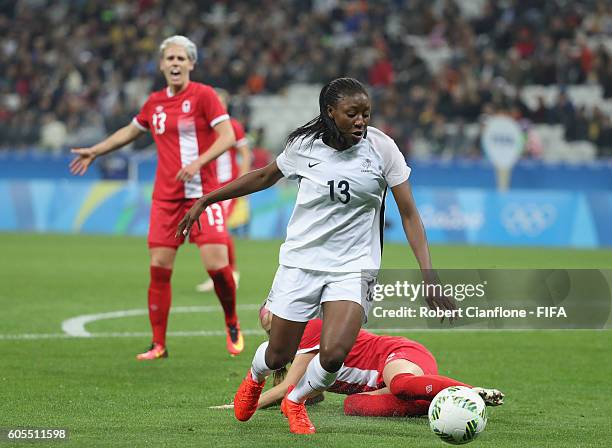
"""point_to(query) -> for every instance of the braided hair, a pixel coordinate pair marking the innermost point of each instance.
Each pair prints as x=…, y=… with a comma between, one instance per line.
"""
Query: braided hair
x=323, y=126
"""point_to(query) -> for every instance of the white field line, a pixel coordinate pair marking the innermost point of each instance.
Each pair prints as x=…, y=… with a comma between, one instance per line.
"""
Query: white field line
x=36, y=336
x=247, y=332
x=76, y=326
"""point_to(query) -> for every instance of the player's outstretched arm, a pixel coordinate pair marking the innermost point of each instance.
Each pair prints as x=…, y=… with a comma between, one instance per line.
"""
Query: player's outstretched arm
x=85, y=156
x=249, y=183
x=413, y=226
x=296, y=372
x=415, y=233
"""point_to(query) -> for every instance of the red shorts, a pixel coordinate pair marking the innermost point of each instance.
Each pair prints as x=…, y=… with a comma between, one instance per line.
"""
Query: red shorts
x=166, y=215
x=415, y=353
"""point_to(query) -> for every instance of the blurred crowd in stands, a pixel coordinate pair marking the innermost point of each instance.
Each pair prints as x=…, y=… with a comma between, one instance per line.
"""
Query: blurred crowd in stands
x=73, y=71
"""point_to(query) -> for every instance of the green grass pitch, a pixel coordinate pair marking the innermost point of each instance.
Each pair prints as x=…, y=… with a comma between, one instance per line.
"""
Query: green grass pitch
x=557, y=383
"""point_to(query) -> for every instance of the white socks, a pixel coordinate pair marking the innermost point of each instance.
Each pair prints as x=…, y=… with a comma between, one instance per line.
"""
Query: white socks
x=259, y=368
x=316, y=379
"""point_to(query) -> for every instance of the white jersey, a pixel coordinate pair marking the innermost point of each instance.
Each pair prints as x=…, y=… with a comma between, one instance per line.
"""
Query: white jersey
x=338, y=218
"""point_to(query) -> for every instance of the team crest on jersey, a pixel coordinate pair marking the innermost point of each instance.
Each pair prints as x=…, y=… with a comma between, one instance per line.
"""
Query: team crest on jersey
x=159, y=109
x=186, y=106
x=366, y=166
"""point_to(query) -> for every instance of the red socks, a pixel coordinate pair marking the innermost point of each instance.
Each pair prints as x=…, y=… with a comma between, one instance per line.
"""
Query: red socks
x=423, y=387
x=160, y=297
x=225, y=287
x=384, y=405
x=410, y=396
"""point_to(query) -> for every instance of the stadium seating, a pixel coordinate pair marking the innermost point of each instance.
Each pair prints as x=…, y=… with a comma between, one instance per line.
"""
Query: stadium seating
x=455, y=65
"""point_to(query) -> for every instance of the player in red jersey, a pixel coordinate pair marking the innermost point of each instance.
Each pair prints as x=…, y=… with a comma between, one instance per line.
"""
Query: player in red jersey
x=191, y=128
x=384, y=376
x=230, y=165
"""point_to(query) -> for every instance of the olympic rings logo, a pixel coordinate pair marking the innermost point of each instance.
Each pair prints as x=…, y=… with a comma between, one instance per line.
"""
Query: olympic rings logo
x=528, y=219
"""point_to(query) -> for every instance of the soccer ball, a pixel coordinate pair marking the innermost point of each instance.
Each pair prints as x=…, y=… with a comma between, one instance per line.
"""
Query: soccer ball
x=457, y=415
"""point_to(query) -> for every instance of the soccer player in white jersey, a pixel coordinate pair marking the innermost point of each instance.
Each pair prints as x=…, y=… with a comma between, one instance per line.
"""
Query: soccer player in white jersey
x=334, y=237
x=191, y=128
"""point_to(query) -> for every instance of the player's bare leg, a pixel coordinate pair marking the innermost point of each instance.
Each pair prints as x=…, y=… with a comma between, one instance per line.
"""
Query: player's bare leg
x=399, y=366
x=341, y=324
x=208, y=285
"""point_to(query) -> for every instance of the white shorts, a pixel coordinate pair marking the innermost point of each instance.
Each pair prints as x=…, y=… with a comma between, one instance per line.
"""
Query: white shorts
x=297, y=294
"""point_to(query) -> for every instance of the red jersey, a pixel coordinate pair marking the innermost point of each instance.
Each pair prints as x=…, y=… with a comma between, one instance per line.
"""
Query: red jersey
x=362, y=368
x=182, y=127
x=227, y=163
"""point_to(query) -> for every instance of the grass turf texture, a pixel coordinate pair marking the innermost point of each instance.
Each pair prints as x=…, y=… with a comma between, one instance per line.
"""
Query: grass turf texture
x=555, y=381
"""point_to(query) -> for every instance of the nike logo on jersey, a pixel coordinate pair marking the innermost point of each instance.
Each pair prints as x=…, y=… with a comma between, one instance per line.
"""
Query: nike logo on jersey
x=310, y=164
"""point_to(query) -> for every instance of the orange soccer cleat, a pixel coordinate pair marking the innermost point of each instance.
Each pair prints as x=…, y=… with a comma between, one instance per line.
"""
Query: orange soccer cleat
x=299, y=423
x=156, y=351
x=247, y=397
x=234, y=340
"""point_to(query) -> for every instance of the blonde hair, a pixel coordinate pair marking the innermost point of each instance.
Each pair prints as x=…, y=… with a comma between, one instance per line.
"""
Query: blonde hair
x=186, y=43
x=280, y=374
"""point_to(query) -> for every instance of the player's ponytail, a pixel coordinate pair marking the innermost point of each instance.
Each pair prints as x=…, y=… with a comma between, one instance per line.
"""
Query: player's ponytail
x=323, y=126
